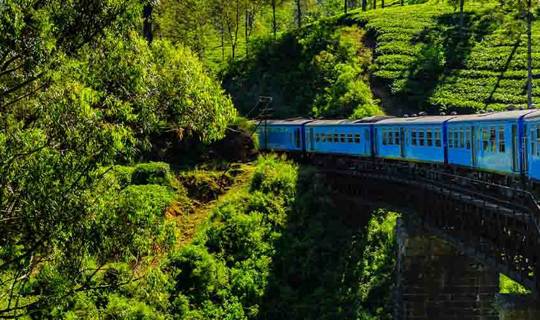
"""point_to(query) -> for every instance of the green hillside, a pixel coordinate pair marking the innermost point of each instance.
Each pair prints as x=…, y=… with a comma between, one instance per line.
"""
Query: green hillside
x=421, y=60
x=422, y=57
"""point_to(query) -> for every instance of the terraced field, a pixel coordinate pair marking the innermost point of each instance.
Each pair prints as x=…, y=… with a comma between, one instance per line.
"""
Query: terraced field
x=423, y=59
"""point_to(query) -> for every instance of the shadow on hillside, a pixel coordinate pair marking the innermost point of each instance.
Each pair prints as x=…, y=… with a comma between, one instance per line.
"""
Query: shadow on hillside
x=445, y=46
x=515, y=47
x=319, y=260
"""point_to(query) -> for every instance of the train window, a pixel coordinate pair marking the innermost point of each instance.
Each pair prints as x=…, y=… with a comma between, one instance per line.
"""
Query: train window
x=461, y=138
x=384, y=137
x=429, y=138
x=336, y=138
x=390, y=137
x=349, y=138
x=468, y=138
x=413, y=137
x=437, y=137
x=492, y=139
x=501, y=140
x=450, y=138
x=356, y=138
x=397, y=137
x=485, y=139
x=342, y=136
x=421, y=137
x=317, y=137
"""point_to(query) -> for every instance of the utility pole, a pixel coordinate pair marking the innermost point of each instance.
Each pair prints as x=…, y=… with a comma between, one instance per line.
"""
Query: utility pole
x=529, y=55
x=299, y=13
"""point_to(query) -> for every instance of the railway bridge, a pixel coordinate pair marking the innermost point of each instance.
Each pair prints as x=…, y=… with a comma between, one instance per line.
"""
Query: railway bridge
x=487, y=229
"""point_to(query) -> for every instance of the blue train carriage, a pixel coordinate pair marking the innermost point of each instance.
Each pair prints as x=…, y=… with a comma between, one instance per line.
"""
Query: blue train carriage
x=282, y=135
x=412, y=138
x=489, y=142
x=531, y=145
x=347, y=137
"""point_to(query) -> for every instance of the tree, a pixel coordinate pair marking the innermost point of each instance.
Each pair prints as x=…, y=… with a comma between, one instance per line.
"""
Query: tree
x=189, y=22
x=299, y=13
x=34, y=33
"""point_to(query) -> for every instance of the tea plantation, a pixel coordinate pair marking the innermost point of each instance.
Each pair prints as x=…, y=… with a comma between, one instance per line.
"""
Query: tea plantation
x=424, y=58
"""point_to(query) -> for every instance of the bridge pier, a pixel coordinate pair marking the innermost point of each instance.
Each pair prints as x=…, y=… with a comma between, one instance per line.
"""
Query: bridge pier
x=518, y=307
x=435, y=281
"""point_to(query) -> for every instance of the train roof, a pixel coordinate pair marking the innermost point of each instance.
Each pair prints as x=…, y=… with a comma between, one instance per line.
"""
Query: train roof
x=416, y=120
x=493, y=116
x=334, y=122
x=287, y=122
x=533, y=115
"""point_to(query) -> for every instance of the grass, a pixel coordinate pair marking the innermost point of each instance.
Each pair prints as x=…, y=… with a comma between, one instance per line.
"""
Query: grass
x=190, y=222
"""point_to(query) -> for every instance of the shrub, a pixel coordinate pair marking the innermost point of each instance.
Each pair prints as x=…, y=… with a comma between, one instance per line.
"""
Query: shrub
x=152, y=173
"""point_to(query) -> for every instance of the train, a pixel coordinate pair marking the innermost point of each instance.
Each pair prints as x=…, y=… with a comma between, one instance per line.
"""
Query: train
x=505, y=143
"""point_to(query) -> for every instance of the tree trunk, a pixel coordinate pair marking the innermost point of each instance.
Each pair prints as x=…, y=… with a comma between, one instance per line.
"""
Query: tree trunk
x=374, y=4
x=402, y=2
x=345, y=6
x=222, y=43
x=247, y=31
x=529, y=55
x=364, y=5
x=382, y=3
x=299, y=13
x=461, y=5
x=147, y=24
x=274, y=24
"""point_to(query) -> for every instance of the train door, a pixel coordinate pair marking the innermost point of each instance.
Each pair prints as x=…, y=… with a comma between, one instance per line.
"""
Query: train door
x=402, y=141
x=515, y=149
x=474, y=146
x=367, y=142
x=297, y=140
x=374, y=141
x=311, y=139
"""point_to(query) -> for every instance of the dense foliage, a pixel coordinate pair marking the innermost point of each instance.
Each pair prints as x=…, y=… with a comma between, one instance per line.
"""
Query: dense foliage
x=285, y=250
x=80, y=91
x=319, y=71
x=220, y=31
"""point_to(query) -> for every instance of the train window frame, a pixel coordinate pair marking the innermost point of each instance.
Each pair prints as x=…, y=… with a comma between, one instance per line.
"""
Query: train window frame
x=437, y=138
x=413, y=137
x=342, y=138
x=317, y=137
x=357, y=138
x=451, y=138
x=397, y=137
x=384, y=137
x=501, y=140
x=421, y=137
x=350, y=138
x=336, y=137
x=429, y=137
